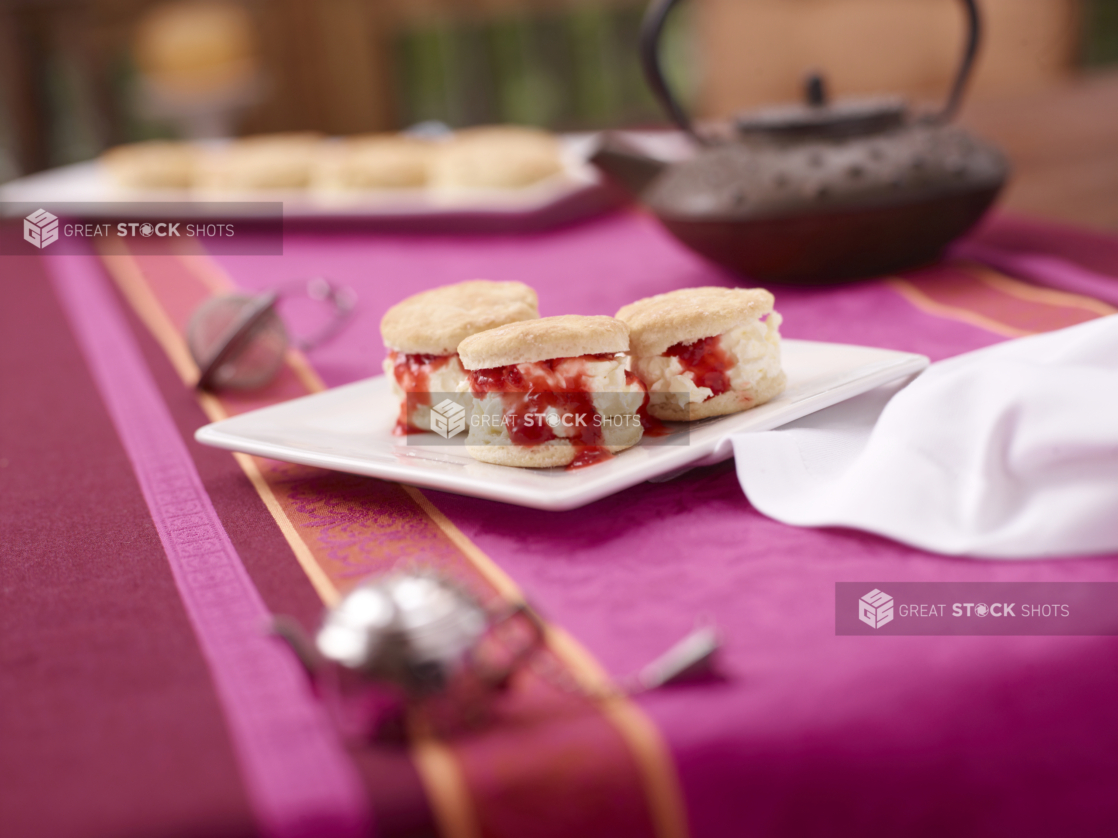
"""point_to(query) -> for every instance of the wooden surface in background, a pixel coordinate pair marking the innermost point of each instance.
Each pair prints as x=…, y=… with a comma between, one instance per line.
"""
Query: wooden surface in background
x=758, y=51
x=1063, y=142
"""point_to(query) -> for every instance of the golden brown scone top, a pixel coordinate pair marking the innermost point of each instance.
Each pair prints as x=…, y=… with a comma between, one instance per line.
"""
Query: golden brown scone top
x=539, y=340
x=689, y=314
x=434, y=322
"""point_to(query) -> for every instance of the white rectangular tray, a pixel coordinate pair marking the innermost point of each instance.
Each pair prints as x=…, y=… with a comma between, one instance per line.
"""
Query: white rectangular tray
x=349, y=429
x=87, y=191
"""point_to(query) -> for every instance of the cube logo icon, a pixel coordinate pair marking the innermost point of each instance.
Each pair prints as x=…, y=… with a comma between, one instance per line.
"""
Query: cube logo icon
x=448, y=418
x=40, y=228
x=875, y=609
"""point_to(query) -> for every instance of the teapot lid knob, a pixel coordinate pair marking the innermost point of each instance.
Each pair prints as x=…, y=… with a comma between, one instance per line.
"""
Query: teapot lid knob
x=815, y=90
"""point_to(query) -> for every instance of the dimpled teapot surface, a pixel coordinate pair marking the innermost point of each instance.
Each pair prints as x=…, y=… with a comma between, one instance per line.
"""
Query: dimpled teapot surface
x=818, y=192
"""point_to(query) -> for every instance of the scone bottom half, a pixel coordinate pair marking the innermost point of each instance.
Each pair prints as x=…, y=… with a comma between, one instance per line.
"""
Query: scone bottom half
x=553, y=392
x=706, y=352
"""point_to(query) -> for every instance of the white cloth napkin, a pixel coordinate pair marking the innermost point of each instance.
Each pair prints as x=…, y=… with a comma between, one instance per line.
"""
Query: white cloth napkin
x=1007, y=452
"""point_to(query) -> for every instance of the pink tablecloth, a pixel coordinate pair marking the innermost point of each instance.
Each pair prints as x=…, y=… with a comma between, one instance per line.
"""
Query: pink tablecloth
x=810, y=733
x=804, y=733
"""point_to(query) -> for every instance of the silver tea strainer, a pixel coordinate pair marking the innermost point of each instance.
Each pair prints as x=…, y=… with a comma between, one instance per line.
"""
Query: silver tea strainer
x=239, y=341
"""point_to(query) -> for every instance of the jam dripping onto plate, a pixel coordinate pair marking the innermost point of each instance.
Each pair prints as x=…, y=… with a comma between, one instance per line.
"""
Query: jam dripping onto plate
x=590, y=455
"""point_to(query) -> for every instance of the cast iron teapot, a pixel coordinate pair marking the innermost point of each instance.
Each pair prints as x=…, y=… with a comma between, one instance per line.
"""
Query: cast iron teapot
x=817, y=192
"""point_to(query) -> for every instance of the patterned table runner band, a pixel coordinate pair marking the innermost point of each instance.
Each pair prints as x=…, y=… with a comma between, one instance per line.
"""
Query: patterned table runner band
x=300, y=781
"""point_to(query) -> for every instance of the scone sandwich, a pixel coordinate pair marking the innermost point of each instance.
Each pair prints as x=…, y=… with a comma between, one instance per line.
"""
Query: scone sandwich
x=705, y=351
x=422, y=334
x=552, y=392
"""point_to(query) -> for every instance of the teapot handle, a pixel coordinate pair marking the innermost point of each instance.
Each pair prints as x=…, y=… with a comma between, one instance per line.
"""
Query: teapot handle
x=652, y=27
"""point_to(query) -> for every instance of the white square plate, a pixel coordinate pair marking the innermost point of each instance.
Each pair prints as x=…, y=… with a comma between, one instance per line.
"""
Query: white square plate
x=349, y=429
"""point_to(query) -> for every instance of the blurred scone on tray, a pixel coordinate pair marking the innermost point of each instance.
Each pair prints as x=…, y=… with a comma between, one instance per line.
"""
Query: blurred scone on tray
x=496, y=157
x=422, y=334
x=374, y=161
x=706, y=351
x=155, y=164
x=552, y=392
x=264, y=161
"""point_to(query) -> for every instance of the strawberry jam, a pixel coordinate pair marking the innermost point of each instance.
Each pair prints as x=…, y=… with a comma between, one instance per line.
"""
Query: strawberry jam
x=413, y=374
x=651, y=425
x=590, y=455
x=707, y=362
x=554, y=389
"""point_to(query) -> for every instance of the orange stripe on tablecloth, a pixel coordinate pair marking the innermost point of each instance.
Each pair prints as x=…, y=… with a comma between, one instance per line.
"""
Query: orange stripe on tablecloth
x=658, y=777
x=1034, y=293
x=930, y=305
x=448, y=794
x=990, y=300
x=343, y=527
